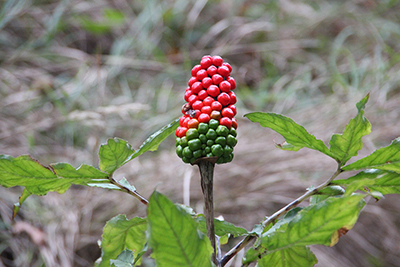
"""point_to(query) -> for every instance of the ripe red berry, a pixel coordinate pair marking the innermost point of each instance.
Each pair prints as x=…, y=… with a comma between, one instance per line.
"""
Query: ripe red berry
x=195, y=69
x=181, y=120
x=201, y=74
x=197, y=105
x=217, y=79
x=234, y=123
x=227, y=112
x=202, y=94
x=206, y=110
x=232, y=81
x=217, y=60
x=192, y=99
x=233, y=97
x=208, y=101
x=212, y=70
x=233, y=108
x=224, y=99
x=196, y=113
x=204, y=118
x=213, y=90
x=226, y=121
x=196, y=87
x=216, y=106
x=192, y=80
x=225, y=86
x=227, y=65
x=186, y=120
x=205, y=62
x=188, y=93
x=224, y=71
x=207, y=82
x=181, y=132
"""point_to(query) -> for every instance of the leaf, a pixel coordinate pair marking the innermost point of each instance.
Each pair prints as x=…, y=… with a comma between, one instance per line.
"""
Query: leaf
x=289, y=257
x=296, y=136
x=346, y=145
x=315, y=224
x=222, y=228
x=22, y=198
x=125, y=259
x=385, y=158
x=115, y=153
x=385, y=182
x=38, y=179
x=174, y=237
x=119, y=234
x=327, y=192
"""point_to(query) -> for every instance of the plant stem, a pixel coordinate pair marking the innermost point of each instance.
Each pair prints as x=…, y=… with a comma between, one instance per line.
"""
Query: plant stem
x=206, y=168
x=129, y=191
x=230, y=254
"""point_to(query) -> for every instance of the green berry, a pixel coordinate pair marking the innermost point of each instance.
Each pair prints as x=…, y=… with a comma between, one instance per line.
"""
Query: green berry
x=194, y=144
x=177, y=141
x=183, y=142
x=217, y=150
x=203, y=138
x=197, y=154
x=221, y=140
x=207, y=149
x=186, y=160
x=210, y=142
x=211, y=134
x=227, y=151
x=187, y=152
x=213, y=124
x=192, y=133
x=222, y=130
x=202, y=128
x=233, y=132
x=179, y=151
x=231, y=140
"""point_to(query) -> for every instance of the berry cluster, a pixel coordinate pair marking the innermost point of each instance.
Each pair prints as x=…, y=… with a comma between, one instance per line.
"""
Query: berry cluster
x=208, y=126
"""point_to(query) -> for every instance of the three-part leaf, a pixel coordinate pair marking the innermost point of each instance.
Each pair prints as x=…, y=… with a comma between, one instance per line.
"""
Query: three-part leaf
x=346, y=145
x=296, y=136
x=174, y=237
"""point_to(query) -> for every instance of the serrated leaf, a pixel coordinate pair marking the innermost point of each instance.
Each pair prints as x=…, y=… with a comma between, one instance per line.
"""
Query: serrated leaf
x=115, y=153
x=289, y=257
x=174, y=237
x=222, y=228
x=119, y=234
x=385, y=182
x=39, y=180
x=315, y=224
x=25, y=194
x=124, y=259
x=386, y=158
x=346, y=145
x=296, y=136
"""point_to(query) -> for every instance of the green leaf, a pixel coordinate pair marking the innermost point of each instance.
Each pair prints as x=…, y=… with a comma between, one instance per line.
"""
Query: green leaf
x=38, y=179
x=289, y=257
x=115, y=153
x=385, y=158
x=125, y=259
x=22, y=198
x=346, y=145
x=174, y=237
x=372, y=180
x=327, y=192
x=120, y=234
x=315, y=224
x=222, y=228
x=296, y=136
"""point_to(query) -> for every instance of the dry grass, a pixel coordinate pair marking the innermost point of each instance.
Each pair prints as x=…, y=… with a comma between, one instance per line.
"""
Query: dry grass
x=65, y=88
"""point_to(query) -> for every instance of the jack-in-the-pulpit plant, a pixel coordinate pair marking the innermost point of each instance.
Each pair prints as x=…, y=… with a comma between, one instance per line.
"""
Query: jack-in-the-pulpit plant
x=175, y=235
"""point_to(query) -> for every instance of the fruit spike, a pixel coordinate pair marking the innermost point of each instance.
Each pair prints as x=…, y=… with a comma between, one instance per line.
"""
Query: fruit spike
x=208, y=125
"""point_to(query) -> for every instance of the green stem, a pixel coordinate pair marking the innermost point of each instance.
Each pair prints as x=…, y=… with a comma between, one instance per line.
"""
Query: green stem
x=129, y=191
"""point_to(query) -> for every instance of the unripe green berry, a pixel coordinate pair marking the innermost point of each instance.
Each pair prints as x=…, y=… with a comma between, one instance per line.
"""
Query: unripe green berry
x=220, y=140
x=194, y=144
x=187, y=152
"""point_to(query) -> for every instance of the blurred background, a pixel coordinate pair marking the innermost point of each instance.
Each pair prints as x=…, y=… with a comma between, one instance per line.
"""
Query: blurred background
x=74, y=73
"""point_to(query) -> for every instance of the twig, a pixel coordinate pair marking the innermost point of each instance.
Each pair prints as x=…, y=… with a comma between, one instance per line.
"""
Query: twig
x=129, y=191
x=230, y=254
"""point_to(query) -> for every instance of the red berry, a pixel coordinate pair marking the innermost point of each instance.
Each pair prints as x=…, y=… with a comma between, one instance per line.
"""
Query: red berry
x=224, y=71
x=207, y=82
x=217, y=79
x=232, y=82
x=181, y=132
x=224, y=99
x=192, y=99
x=193, y=123
x=208, y=101
x=197, y=104
x=225, y=86
x=196, y=113
x=204, y=118
x=185, y=121
x=196, y=87
x=213, y=90
x=227, y=112
x=217, y=60
x=226, y=121
x=195, y=69
x=227, y=65
x=205, y=62
x=188, y=93
x=201, y=74
x=233, y=97
x=234, y=123
x=181, y=120
x=233, y=108
x=212, y=70
x=202, y=94
x=192, y=80
x=216, y=106
x=206, y=110
x=216, y=115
